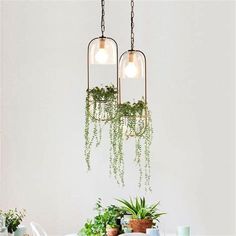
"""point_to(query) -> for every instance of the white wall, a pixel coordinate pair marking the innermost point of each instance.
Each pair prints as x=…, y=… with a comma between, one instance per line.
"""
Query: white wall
x=190, y=50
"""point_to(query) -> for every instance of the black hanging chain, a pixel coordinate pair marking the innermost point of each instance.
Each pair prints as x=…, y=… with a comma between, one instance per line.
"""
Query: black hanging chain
x=132, y=24
x=103, y=17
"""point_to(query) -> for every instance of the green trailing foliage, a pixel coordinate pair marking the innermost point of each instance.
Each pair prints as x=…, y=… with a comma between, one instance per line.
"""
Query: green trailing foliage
x=101, y=105
x=125, y=120
x=132, y=120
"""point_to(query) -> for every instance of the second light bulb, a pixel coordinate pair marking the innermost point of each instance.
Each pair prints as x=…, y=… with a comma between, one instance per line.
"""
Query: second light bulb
x=131, y=69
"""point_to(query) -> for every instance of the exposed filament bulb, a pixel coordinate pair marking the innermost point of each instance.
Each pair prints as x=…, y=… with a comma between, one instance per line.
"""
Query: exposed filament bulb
x=131, y=69
x=101, y=56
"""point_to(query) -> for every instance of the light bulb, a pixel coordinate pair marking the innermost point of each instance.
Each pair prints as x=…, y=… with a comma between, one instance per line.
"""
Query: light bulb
x=101, y=56
x=131, y=70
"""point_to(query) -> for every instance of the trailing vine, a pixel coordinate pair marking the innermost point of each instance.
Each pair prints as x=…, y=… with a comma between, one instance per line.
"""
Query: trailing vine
x=132, y=120
x=125, y=120
x=101, y=105
x=116, y=149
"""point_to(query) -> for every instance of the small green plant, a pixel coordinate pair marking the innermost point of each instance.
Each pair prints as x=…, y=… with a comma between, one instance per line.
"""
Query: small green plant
x=108, y=93
x=132, y=120
x=140, y=210
x=101, y=105
x=106, y=217
x=13, y=219
x=89, y=229
x=110, y=213
x=136, y=109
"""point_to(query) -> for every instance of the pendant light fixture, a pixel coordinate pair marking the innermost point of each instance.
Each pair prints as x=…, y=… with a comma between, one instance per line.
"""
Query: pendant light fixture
x=102, y=100
x=133, y=119
x=102, y=51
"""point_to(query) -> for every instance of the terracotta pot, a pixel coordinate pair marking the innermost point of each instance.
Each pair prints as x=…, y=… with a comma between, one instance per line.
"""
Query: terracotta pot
x=112, y=231
x=140, y=225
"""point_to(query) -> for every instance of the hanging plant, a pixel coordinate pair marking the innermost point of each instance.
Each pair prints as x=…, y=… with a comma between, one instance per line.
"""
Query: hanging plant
x=101, y=106
x=132, y=120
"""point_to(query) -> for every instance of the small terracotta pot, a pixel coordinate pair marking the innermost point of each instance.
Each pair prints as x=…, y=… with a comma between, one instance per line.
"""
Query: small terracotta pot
x=112, y=231
x=140, y=226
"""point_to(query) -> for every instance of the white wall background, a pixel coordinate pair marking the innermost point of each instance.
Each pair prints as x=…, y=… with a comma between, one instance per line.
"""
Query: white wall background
x=190, y=50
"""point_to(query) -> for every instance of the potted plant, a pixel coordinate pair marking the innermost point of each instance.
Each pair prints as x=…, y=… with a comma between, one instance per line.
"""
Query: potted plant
x=143, y=215
x=13, y=218
x=105, y=222
x=113, y=214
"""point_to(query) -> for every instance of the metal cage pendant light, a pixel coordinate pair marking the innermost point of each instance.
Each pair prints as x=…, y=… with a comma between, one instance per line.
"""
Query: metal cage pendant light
x=132, y=65
x=102, y=50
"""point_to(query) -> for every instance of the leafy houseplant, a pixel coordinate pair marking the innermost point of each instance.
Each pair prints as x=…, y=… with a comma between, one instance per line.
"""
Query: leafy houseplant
x=101, y=106
x=13, y=219
x=105, y=222
x=143, y=215
x=132, y=120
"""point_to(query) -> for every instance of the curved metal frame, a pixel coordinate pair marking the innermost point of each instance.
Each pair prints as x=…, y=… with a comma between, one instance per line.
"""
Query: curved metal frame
x=145, y=87
x=88, y=69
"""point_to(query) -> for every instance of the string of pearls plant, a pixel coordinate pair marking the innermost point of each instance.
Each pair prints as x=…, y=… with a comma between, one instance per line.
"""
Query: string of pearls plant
x=125, y=120
x=132, y=120
x=101, y=106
